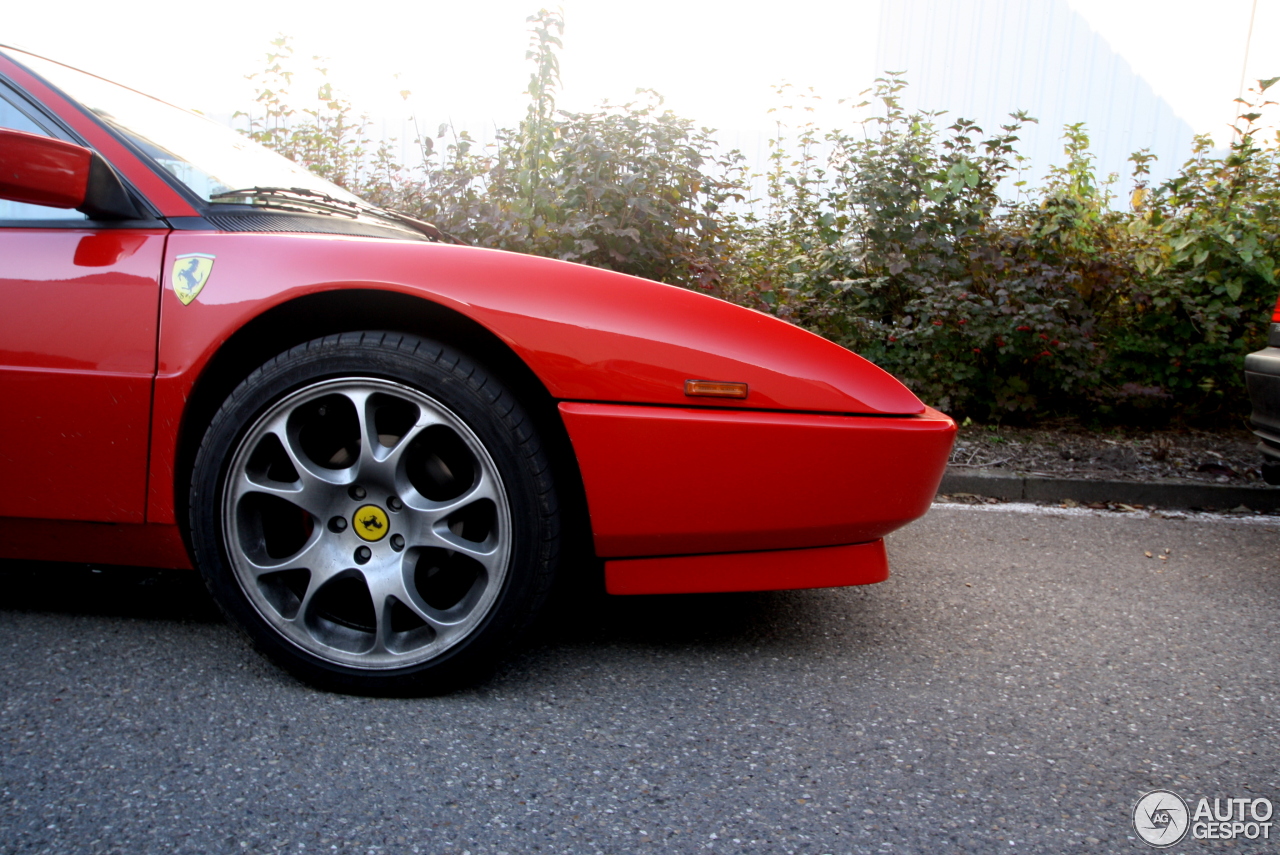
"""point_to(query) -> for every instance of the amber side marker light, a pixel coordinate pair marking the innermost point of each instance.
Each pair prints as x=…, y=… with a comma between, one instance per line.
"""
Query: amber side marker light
x=714, y=389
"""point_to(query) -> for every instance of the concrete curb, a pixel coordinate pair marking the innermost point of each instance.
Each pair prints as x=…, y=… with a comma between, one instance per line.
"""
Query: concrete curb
x=1164, y=493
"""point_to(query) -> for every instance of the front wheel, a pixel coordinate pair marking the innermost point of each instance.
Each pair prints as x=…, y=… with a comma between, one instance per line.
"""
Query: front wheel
x=376, y=512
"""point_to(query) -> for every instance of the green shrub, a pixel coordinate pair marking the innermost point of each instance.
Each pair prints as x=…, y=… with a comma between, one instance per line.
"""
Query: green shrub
x=901, y=248
x=632, y=188
x=1203, y=296
x=902, y=245
x=897, y=239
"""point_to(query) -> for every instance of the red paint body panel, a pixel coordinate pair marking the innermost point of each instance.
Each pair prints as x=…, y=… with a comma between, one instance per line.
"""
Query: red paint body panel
x=587, y=334
x=77, y=356
x=782, y=570
x=91, y=543
x=41, y=170
x=665, y=481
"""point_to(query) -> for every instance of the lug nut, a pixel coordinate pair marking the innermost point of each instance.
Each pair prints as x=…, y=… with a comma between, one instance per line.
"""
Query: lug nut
x=356, y=492
x=394, y=503
x=338, y=525
x=363, y=554
x=397, y=542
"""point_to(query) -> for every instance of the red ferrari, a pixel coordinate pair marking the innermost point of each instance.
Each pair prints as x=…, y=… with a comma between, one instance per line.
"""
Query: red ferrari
x=375, y=444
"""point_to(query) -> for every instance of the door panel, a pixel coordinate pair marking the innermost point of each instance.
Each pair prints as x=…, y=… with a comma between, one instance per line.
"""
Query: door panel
x=78, y=315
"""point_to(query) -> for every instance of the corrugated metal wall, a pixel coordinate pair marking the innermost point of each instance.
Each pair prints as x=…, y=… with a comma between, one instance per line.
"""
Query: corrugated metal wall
x=982, y=59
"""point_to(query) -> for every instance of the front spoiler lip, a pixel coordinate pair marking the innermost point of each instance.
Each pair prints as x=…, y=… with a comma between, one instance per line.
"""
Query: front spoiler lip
x=770, y=570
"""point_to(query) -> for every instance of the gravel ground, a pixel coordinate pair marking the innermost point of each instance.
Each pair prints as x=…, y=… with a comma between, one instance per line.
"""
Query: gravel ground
x=1021, y=680
x=1223, y=457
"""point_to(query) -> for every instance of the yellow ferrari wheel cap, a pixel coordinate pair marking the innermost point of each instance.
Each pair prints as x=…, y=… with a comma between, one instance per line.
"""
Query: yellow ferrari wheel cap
x=190, y=273
x=371, y=523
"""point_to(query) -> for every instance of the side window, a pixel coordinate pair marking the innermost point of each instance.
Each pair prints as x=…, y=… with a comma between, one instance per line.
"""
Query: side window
x=18, y=213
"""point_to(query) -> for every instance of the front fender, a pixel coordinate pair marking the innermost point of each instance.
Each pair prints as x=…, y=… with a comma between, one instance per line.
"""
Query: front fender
x=588, y=334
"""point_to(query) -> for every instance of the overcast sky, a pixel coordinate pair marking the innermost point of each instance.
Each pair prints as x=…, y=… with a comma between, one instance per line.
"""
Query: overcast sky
x=714, y=62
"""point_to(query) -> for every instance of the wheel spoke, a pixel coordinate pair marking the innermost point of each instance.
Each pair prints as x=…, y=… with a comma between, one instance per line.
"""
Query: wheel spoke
x=368, y=462
x=310, y=557
x=429, y=513
x=390, y=457
x=315, y=501
x=314, y=584
x=311, y=476
x=486, y=552
x=315, y=489
x=385, y=587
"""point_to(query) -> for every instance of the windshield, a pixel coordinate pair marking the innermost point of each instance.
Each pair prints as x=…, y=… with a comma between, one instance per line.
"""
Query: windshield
x=205, y=156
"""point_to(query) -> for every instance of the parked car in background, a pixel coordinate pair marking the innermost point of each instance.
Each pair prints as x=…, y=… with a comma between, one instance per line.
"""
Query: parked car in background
x=1262, y=376
x=376, y=444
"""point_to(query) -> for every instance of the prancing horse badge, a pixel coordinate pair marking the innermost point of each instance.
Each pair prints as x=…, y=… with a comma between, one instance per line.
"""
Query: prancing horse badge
x=190, y=273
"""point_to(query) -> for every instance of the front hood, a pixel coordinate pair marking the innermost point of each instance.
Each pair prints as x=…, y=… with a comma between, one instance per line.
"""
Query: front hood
x=595, y=335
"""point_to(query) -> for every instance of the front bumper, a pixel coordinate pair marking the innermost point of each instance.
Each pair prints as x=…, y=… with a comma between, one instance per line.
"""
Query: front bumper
x=667, y=481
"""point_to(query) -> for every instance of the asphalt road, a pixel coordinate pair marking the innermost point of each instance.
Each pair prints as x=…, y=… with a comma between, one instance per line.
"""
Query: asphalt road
x=1016, y=686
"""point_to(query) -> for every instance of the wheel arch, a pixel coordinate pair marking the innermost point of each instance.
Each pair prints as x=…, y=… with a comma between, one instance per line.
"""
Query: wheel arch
x=324, y=313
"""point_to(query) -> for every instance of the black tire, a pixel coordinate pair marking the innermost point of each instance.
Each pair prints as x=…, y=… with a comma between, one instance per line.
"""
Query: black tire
x=356, y=472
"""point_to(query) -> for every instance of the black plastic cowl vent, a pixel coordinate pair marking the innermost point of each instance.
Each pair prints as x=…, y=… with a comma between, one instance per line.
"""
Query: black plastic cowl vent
x=254, y=221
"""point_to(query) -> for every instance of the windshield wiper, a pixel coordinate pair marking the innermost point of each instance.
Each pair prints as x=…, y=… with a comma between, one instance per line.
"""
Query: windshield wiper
x=302, y=200
x=433, y=232
x=288, y=199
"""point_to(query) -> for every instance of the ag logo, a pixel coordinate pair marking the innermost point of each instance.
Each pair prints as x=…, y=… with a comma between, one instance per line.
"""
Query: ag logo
x=190, y=272
x=1161, y=818
x=371, y=523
